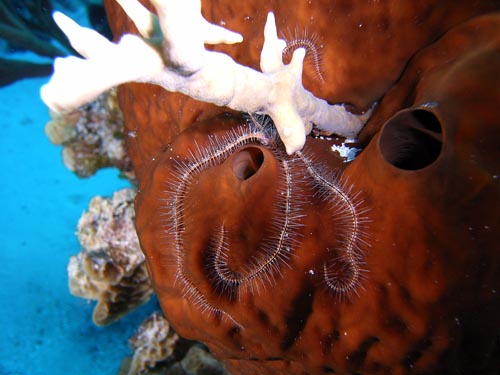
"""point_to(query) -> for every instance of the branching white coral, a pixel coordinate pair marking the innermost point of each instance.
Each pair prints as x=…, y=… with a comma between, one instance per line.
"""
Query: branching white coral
x=171, y=53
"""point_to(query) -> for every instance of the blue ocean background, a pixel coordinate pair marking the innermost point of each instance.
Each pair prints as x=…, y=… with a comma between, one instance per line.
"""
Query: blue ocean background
x=44, y=329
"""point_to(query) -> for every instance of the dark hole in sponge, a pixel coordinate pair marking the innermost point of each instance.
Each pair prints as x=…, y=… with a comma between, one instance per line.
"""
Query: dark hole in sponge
x=247, y=162
x=412, y=139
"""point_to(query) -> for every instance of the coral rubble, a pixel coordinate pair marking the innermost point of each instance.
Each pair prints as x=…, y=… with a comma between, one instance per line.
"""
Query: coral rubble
x=92, y=137
x=110, y=268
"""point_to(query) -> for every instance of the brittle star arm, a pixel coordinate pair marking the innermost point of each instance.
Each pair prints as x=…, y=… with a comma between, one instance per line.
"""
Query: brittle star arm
x=170, y=52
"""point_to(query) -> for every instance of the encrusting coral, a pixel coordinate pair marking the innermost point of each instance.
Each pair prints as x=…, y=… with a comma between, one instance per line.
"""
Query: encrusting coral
x=158, y=349
x=110, y=268
x=92, y=137
x=153, y=342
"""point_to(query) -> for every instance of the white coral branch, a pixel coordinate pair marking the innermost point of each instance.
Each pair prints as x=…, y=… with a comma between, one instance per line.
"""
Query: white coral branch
x=171, y=53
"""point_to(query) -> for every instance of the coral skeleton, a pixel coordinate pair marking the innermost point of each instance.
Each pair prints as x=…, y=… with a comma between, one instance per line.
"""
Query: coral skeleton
x=170, y=52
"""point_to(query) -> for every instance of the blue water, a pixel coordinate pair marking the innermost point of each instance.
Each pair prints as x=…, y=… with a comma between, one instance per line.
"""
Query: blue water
x=43, y=329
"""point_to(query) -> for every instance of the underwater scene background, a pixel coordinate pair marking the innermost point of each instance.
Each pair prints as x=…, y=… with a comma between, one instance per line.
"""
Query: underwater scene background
x=286, y=241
